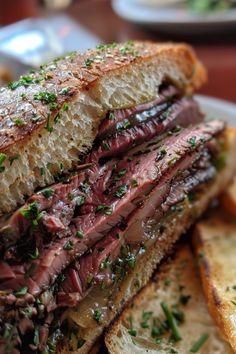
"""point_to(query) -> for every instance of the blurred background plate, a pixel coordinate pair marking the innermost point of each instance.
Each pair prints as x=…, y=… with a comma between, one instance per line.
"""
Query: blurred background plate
x=215, y=108
x=174, y=18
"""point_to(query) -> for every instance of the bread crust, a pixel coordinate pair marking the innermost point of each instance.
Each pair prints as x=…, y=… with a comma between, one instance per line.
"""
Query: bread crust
x=214, y=242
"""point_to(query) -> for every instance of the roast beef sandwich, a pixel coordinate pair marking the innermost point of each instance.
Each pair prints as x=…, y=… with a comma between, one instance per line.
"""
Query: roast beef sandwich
x=127, y=163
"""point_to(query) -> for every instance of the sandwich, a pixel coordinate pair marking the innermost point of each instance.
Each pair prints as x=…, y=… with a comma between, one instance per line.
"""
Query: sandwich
x=105, y=160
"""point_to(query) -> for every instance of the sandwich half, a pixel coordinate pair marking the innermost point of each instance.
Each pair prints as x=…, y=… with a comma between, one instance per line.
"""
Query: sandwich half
x=78, y=250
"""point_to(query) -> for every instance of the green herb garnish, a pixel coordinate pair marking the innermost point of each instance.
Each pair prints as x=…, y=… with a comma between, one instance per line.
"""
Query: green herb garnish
x=97, y=315
x=104, y=209
x=48, y=127
x=68, y=246
x=106, y=147
x=45, y=96
x=199, y=343
x=79, y=234
x=19, y=121
x=171, y=322
x=192, y=141
x=79, y=200
x=145, y=318
x=35, y=255
x=105, y=264
x=31, y=212
x=2, y=159
x=88, y=62
x=21, y=292
x=48, y=192
x=121, y=191
x=134, y=183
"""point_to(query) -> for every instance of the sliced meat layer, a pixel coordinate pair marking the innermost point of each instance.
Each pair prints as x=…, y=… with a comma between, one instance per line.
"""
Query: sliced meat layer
x=183, y=113
x=117, y=119
x=177, y=152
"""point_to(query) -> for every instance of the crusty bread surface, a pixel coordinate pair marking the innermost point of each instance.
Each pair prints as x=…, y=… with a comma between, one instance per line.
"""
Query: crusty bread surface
x=176, y=224
x=215, y=244
x=175, y=283
x=47, y=119
x=228, y=199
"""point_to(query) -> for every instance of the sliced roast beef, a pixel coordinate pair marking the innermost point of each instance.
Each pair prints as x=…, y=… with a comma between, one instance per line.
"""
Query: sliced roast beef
x=60, y=200
x=96, y=266
x=116, y=120
x=183, y=113
x=176, y=153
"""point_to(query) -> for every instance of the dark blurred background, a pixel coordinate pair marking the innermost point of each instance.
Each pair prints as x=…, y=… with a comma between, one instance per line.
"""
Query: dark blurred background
x=35, y=31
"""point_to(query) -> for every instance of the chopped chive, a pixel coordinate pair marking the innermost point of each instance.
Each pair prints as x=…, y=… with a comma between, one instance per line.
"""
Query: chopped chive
x=104, y=209
x=106, y=147
x=88, y=62
x=19, y=121
x=21, y=292
x=132, y=332
x=2, y=159
x=121, y=191
x=192, y=141
x=35, y=118
x=47, y=192
x=65, y=107
x=111, y=115
x=68, y=246
x=97, y=315
x=171, y=321
x=48, y=127
x=64, y=91
x=35, y=255
x=134, y=183
x=199, y=343
x=79, y=234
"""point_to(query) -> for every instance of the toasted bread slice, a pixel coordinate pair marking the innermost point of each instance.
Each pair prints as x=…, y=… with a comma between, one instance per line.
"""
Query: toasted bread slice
x=48, y=118
x=215, y=245
x=177, y=285
x=85, y=329
x=228, y=199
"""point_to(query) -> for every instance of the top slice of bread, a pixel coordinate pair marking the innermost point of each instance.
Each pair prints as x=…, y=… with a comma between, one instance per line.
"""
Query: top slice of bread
x=35, y=147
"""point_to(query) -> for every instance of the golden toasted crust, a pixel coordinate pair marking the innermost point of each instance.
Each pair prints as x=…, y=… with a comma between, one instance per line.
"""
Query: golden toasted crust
x=175, y=281
x=215, y=244
x=79, y=72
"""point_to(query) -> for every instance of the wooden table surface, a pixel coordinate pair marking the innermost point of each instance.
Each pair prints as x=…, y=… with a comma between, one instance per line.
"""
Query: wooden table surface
x=217, y=52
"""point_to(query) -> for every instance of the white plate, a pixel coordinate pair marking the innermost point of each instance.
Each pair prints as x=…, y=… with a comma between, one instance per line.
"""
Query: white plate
x=218, y=109
x=177, y=19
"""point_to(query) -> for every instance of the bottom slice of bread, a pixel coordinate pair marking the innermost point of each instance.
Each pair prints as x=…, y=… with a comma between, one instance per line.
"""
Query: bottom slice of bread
x=176, y=223
x=177, y=285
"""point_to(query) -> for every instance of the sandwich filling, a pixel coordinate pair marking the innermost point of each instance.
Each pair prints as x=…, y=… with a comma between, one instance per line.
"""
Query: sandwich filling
x=88, y=231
